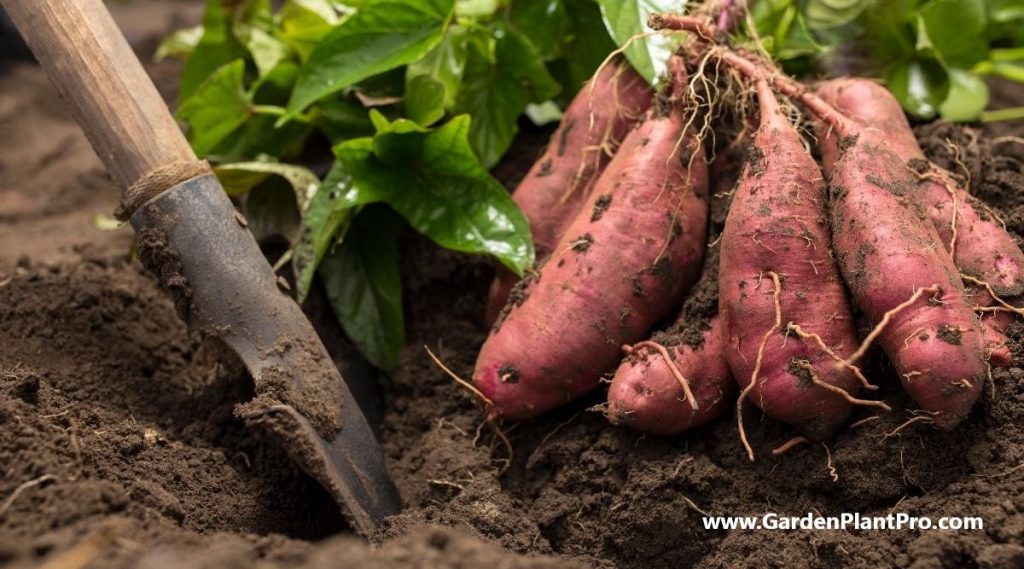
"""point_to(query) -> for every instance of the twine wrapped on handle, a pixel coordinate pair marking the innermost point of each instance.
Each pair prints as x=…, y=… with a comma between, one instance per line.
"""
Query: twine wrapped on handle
x=157, y=182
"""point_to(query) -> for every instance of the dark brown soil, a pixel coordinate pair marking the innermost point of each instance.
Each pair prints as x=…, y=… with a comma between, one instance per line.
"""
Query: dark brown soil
x=119, y=447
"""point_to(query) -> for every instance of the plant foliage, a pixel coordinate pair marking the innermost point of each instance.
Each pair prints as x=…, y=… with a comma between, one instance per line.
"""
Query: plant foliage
x=417, y=99
x=933, y=55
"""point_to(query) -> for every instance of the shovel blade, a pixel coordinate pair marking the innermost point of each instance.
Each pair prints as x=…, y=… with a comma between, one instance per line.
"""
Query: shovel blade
x=201, y=251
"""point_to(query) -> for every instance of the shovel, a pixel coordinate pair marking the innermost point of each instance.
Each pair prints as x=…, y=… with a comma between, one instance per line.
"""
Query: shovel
x=201, y=251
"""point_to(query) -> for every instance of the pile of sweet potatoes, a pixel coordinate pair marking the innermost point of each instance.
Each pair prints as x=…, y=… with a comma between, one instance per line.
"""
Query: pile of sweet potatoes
x=620, y=206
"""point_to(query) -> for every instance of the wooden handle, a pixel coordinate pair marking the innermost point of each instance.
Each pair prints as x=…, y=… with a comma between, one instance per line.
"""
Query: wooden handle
x=101, y=80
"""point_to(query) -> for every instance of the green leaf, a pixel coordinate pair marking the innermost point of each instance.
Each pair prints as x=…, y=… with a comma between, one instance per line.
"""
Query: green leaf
x=476, y=8
x=826, y=14
x=769, y=14
x=585, y=45
x=217, y=47
x=323, y=221
x=544, y=21
x=275, y=87
x=785, y=23
x=502, y=75
x=380, y=122
x=253, y=25
x=266, y=50
x=444, y=63
x=382, y=35
x=968, y=96
x=920, y=86
x=305, y=22
x=364, y=288
x=240, y=177
x=270, y=210
x=424, y=100
x=627, y=18
x=343, y=117
x=216, y=108
x=799, y=41
x=259, y=136
x=435, y=181
x=889, y=28
x=544, y=113
x=181, y=43
x=954, y=30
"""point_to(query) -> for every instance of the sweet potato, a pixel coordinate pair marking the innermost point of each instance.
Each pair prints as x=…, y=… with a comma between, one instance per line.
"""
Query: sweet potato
x=559, y=183
x=981, y=248
x=903, y=279
x=622, y=265
x=894, y=263
x=646, y=395
x=887, y=249
x=779, y=287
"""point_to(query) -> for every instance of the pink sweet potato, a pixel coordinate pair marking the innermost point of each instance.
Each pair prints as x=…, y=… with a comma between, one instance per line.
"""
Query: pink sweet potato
x=981, y=248
x=776, y=271
x=646, y=395
x=903, y=279
x=622, y=265
x=895, y=264
x=559, y=183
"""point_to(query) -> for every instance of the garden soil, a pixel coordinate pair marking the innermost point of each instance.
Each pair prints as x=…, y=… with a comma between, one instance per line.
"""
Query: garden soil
x=119, y=447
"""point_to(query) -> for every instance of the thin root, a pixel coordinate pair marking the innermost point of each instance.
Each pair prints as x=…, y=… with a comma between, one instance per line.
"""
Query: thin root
x=917, y=419
x=777, y=294
x=690, y=503
x=864, y=421
x=22, y=487
x=1005, y=306
x=910, y=375
x=839, y=391
x=956, y=209
x=1007, y=139
x=959, y=162
x=795, y=328
x=629, y=41
x=832, y=472
x=886, y=318
x=789, y=445
x=906, y=341
x=676, y=372
x=508, y=446
x=469, y=386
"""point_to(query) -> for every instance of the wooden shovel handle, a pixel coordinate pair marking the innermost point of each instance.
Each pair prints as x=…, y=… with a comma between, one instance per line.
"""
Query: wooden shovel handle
x=103, y=83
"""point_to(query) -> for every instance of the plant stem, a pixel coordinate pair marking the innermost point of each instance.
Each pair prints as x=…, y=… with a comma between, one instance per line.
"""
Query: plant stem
x=269, y=110
x=276, y=111
x=1013, y=113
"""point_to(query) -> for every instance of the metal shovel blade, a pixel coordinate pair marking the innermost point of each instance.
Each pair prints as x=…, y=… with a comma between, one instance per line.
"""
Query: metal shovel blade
x=201, y=250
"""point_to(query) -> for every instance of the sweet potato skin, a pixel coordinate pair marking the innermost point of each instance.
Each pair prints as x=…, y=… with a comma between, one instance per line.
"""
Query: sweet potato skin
x=983, y=249
x=887, y=249
x=623, y=264
x=559, y=183
x=777, y=224
x=645, y=395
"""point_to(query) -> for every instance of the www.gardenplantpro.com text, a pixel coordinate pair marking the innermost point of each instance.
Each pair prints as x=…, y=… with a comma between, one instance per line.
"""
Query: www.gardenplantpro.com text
x=845, y=521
